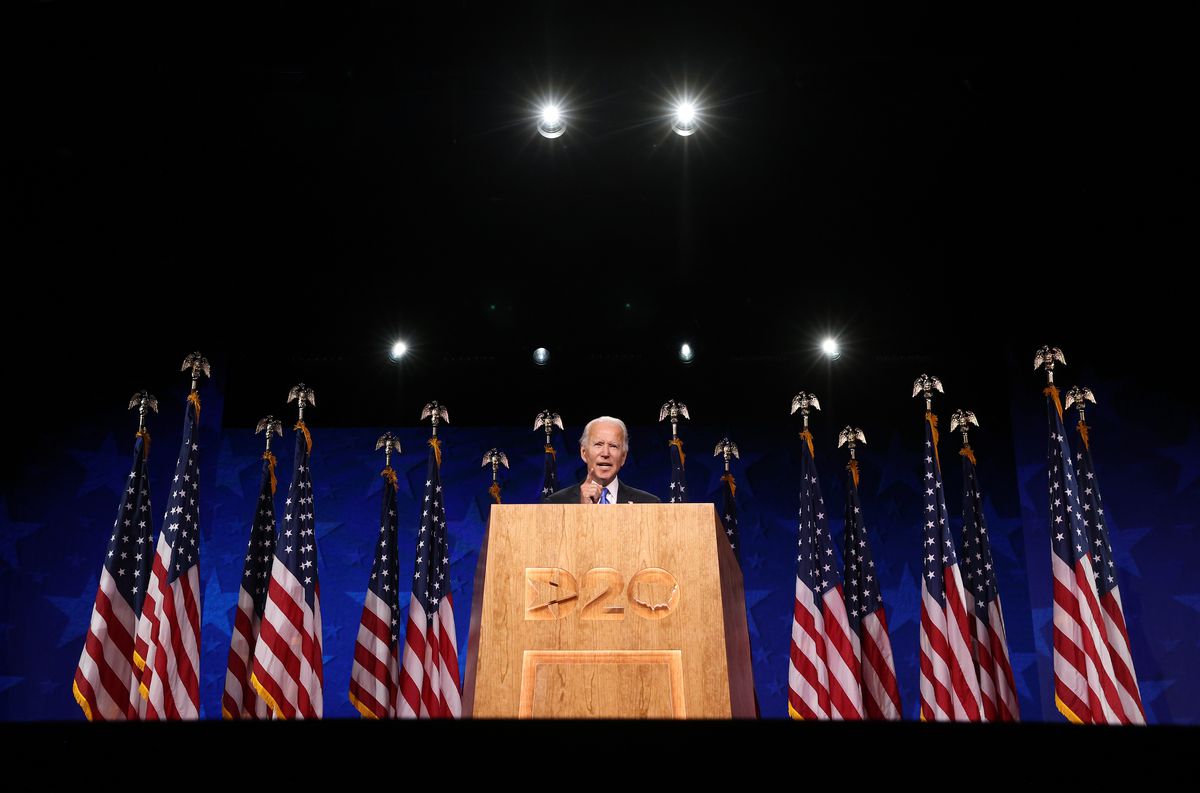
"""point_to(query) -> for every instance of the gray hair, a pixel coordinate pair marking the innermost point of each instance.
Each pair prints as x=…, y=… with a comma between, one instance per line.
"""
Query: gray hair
x=587, y=430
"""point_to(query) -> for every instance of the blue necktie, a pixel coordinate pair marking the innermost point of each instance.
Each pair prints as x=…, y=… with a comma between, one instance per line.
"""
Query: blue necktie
x=604, y=496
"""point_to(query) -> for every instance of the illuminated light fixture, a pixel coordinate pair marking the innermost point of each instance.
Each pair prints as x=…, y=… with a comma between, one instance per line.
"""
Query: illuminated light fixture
x=398, y=350
x=686, y=353
x=685, y=119
x=551, y=123
x=541, y=356
x=830, y=348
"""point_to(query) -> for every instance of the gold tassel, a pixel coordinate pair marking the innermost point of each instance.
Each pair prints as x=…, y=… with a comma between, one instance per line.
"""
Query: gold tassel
x=270, y=458
x=145, y=435
x=678, y=443
x=495, y=491
x=550, y=451
x=194, y=398
x=806, y=435
x=932, y=419
x=1064, y=710
x=968, y=453
x=82, y=700
x=266, y=697
x=363, y=709
x=307, y=436
x=390, y=475
x=437, y=451
x=853, y=467
x=1083, y=432
x=732, y=484
x=1052, y=392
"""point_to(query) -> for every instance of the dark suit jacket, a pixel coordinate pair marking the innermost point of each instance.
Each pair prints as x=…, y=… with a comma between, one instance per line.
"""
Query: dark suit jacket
x=629, y=495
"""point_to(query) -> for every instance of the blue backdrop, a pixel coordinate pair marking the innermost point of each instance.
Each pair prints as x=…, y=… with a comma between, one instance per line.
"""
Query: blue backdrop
x=54, y=519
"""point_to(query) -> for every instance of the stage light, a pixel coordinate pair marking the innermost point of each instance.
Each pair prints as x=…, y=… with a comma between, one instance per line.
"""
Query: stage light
x=398, y=350
x=541, y=356
x=686, y=353
x=551, y=123
x=685, y=119
x=830, y=348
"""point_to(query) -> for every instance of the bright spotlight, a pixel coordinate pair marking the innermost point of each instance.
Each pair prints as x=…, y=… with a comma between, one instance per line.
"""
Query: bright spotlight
x=551, y=124
x=685, y=119
x=830, y=348
x=398, y=351
x=541, y=356
x=686, y=353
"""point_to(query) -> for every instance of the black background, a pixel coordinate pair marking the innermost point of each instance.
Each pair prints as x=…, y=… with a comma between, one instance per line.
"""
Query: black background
x=289, y=187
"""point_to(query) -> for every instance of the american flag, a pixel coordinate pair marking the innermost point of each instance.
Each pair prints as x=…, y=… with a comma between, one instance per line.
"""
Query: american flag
x=728, y=513
x=288, y=666
x=429, y=684
x=868, y=620
x=1104, y=570
x=168, y=640
x=106, y=684
x=375, y=676
x=678, y=479
x=550, y=476
x=990, y=642
x=1087, y=685
x=823, y=672
x=949, y=688
x=240, y=700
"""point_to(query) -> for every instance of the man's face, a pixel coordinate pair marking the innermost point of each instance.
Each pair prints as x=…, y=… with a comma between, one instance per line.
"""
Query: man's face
x=604, y=452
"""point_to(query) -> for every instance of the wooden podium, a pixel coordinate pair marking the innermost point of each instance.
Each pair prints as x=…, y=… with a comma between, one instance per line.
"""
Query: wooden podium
x=622, y=611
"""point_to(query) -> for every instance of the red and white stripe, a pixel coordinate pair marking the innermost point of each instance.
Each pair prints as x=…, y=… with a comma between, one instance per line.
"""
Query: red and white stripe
x=105, y=678
x=288, y=670
x=841, y=657
x=429, y=685
x=170, y=678
x=823, y=670
x=881, y=692
x=240, y=700
x=1117, y=636
x=990, y=645
x=949, y=687
x=1091, y=683
x=808, y=676
x=375, y=676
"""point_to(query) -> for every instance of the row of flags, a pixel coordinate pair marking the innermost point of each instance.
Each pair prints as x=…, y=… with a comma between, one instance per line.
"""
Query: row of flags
x=1094, y=678
x=141, y=661
x=141, y=655
x=840, y=663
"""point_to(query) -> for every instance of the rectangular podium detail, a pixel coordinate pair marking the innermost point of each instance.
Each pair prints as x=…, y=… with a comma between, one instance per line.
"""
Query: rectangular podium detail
x=621, y=611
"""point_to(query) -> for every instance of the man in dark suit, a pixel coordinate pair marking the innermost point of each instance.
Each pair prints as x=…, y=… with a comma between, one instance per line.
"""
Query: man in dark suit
x=603, y=446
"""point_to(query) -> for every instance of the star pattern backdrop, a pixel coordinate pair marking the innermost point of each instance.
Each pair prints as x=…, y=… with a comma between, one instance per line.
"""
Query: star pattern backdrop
x=53, y=531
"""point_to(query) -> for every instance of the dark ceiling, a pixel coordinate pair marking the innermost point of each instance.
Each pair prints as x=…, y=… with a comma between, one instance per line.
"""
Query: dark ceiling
x=290, y=188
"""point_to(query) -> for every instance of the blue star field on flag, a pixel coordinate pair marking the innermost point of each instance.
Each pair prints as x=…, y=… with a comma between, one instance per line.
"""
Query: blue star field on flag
x=433, y=552
x=1104, y=568
x=979, y=573
x=131, y=546
x=296, y=546
x=727, y=511
x=678, y=478
x=816, y=564
x=861, y=587
x=550, y=474
x=385, y=574
x=181, y=522
x=939, y=549
x=256, y=572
